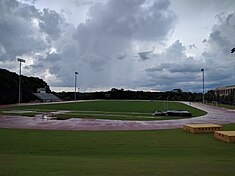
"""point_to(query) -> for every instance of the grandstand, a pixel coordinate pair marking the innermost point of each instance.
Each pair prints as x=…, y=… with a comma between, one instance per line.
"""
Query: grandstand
x=46, y=97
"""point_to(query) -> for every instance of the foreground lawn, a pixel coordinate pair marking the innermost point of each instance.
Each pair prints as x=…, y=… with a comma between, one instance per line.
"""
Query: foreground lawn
x=114, y=110
x=162, y=152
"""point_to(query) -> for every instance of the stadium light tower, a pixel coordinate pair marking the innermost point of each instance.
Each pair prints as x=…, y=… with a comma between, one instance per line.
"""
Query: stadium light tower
x=233, y=50
x=75, y=85
x=202, y=70
x=20, y=60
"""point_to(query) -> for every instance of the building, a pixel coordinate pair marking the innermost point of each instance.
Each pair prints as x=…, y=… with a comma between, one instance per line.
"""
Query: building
x=41, y=90
x=202, y=128
x=225, y=91
x=227, y=136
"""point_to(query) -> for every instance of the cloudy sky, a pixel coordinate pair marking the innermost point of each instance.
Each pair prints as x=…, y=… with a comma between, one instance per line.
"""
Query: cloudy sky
x=130, y=44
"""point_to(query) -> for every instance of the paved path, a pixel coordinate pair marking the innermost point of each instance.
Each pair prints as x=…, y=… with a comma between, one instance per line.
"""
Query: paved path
x=215, y=115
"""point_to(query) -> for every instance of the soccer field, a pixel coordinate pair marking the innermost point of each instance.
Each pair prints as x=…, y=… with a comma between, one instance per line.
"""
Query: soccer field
x=110, y=109
x=126, y=153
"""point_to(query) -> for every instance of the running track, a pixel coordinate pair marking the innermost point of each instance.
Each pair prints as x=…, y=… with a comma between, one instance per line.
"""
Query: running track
x=215, y=115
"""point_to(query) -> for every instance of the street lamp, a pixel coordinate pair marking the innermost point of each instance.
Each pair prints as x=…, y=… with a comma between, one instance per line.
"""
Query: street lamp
x=203, y=85
x=75, y=90
x=20, y=60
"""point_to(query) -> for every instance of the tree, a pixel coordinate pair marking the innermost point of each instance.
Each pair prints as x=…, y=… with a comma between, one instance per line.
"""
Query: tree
x=9, y=84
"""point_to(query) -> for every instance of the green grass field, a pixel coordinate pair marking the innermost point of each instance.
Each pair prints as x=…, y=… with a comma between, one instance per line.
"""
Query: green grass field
x=118, y=110
x=226, y=106
x=127, y=153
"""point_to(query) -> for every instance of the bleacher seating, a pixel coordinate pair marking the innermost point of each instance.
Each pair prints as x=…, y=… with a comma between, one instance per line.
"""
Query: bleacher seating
x=47, y=97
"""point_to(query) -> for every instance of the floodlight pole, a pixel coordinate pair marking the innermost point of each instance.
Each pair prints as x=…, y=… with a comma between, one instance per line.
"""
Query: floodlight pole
x=19, y=98
x=203, y=80
x=75, y=85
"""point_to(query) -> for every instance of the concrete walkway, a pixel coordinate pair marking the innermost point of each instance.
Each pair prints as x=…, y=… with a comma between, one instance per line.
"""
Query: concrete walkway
x=215, y=115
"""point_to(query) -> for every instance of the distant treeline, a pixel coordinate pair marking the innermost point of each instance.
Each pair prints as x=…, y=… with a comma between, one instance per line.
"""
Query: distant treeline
x=174, y=95
x=9, y=87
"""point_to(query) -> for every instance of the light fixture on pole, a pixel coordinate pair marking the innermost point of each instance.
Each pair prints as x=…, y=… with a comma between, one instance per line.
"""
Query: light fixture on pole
x=203, y=98
x=20, y=60
x=233, y=50
x=75, y=85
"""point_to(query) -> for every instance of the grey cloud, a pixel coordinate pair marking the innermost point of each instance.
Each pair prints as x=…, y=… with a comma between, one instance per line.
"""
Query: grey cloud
x=121, y=56
x=221, y=41
x=51, y=23
x=208, y=54
x=230, y=20
x=219, y=60
x=34, y=66
x=130, y=19
x=92, y=48
x=16, y=32
x=53, y=57
x=184, y=72
x=112, y=26
x=82, y=3
x=174, y=70
x=186, y=67
x=168, y=81
x=192, y=46
x=220, y=17
x=96, y=61
x=221, y=38
x=19, y=34
x=176, y=50
x=29, y=1
x=145, y=55
x=204, y=41
x=154, y=69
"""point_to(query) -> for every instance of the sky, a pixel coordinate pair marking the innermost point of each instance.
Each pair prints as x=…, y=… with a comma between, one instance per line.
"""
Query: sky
x=151, y=45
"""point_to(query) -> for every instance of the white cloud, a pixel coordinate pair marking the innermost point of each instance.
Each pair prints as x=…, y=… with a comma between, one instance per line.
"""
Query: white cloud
x=129, y=44
x=108, y=33
x=180, y=70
